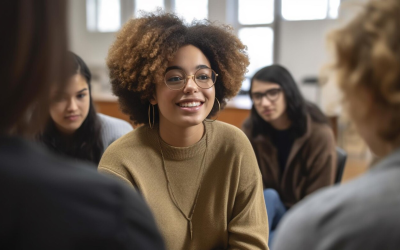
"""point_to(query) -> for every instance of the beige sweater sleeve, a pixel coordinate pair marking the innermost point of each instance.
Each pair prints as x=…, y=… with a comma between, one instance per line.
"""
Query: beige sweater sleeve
x=248, y=228
x=111, y=165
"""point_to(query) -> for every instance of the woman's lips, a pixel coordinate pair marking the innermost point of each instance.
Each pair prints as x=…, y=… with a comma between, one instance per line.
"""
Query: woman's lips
x=190, y=106
x=268, y=112
x=72, y=117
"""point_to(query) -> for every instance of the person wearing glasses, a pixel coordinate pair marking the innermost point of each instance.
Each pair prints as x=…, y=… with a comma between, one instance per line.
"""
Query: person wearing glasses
x=292, y=140
x=199, y=176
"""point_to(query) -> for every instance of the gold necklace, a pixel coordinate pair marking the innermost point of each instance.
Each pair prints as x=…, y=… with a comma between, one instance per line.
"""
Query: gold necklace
x=171, y=192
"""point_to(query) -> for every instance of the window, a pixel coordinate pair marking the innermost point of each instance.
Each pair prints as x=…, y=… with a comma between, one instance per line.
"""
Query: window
x=295, y=10
x=103, y=15
x=256, y=11
x=148, y=5
x=255, y=20
x=259, y=41
x=107, y=15
x=334, y=8
x=192, y=9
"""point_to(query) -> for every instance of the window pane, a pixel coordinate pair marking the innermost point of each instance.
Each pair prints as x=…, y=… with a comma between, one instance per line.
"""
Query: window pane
x=256, y=11
x=91, y=15
x=147, y=5
x=192, y=9
x=108, y=15
x=334, y=8
x=304, y=9
x=246, y=84
x=259, y=43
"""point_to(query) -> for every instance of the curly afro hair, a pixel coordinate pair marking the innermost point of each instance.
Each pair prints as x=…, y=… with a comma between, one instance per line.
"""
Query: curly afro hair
x=139, y=57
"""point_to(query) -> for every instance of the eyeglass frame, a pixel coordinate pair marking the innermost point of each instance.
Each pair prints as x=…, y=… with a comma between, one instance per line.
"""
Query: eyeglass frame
x=186, y=76
x=265, y=95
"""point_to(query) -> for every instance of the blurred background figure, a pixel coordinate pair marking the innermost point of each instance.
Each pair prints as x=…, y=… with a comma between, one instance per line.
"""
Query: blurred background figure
x=75, y=128
x=363, y=213
x=293, y=142
x=50, y=202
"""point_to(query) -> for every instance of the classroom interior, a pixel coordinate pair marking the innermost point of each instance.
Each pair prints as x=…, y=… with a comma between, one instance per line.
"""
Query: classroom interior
x=287, y=32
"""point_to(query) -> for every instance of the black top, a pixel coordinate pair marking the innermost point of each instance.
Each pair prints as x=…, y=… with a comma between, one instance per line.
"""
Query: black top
x=283, y=141
x=48, y=202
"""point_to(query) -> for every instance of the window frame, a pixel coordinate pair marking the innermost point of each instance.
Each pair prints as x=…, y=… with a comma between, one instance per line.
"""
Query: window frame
x=233, y=8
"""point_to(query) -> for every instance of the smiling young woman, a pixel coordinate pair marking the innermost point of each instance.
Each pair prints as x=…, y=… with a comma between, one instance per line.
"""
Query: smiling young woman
x=200, y=177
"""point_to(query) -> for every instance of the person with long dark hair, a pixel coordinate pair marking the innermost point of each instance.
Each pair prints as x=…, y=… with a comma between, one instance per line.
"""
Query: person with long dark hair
x=75, y=128
x=292, y=139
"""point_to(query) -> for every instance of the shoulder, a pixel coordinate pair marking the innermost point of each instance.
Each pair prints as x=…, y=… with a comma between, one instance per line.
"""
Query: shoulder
x=56, y=176
x=321, y=135
x=230, y=144
x=108, y=121
x=134, y=139
x=354, y=211
x=112, y=129
x=228, y=133
x=321, y=130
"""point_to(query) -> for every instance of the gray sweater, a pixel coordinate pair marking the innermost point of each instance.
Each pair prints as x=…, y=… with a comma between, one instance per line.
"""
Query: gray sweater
x=361, y=214
x=112, y=129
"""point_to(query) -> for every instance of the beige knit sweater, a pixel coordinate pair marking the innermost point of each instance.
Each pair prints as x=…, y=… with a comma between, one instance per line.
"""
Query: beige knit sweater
x=230, y=212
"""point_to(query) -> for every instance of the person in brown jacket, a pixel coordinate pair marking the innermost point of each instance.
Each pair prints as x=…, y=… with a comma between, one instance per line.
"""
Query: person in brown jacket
x=294, y=145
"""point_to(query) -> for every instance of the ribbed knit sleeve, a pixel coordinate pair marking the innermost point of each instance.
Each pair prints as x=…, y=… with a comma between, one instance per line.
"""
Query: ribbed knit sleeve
x=248, y=226
x=112, y=128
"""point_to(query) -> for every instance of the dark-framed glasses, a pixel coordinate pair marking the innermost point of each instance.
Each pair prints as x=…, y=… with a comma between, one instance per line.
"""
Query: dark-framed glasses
x=176, y=79
x=272, y=95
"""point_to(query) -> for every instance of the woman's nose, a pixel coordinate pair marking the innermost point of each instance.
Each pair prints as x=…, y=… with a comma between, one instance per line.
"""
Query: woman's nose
x=191, y=85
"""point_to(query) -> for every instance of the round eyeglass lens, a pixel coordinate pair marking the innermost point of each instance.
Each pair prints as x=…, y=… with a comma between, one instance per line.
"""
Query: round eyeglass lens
x=175, y=79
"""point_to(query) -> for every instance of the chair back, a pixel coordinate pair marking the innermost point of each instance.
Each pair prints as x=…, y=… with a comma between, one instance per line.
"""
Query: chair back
x=341, y=163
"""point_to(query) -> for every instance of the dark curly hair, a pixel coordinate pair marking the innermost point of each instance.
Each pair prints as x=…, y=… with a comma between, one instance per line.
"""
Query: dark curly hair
x=139, y=57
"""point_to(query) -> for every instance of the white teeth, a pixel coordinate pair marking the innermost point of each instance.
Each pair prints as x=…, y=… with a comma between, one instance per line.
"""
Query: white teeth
x=190, y=104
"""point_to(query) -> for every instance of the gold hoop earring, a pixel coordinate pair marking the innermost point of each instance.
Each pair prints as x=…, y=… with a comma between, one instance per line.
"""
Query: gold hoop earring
x=151, y=125
x=219, y=109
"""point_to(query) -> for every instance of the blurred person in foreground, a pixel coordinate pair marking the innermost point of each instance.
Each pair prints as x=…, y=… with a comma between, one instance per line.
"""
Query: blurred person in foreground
x=74, y=128
x=293, y=142
x=363, y=213
x=199, y=176
x=48, y=202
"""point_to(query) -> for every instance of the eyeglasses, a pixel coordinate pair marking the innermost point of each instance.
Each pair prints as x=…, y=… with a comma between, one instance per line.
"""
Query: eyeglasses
x=272, y=95
x=176, y=79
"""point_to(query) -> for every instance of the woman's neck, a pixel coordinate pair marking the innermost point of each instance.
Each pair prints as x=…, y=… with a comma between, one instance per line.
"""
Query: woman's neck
x=180, y=136
x=282, y=123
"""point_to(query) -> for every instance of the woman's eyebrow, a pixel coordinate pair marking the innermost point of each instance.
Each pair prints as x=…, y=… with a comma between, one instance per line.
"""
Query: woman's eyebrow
x=173, y=67
x=80, y=91
x=202, y=66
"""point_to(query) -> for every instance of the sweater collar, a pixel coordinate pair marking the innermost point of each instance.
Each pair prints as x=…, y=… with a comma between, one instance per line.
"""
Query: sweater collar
x=182, y=153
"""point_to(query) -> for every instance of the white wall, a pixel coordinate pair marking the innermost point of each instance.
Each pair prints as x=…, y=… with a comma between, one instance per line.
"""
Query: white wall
x=91, y=46
x=302, y=50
